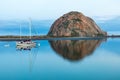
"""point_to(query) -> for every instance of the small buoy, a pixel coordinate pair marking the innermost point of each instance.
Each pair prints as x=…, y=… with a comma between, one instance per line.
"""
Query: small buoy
x=6, y=45
x=39, y=44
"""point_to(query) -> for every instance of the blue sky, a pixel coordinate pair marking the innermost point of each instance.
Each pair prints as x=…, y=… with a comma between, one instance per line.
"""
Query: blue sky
x=52, y=9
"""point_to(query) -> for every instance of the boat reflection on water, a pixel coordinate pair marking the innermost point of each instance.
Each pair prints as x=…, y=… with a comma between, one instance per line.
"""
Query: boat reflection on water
x=74, y=50
x=32, y=51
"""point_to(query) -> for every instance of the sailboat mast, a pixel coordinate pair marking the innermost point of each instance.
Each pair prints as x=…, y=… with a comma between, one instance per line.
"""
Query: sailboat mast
x=20, y=31
x=30, y=25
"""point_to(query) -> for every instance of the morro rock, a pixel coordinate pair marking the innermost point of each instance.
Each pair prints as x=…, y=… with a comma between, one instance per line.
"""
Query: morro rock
x=75, y=24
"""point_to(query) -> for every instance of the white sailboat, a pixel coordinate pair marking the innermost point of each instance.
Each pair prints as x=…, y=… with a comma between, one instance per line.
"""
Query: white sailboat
x=24, y=44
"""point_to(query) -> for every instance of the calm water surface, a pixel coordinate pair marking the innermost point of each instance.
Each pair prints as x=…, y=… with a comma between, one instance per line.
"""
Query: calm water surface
x=61, y=60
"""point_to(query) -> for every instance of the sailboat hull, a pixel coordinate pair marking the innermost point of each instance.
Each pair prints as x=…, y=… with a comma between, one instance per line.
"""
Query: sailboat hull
x=26, y=44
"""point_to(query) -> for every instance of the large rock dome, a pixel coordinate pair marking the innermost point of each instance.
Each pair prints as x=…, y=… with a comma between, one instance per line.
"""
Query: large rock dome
x=75, y=24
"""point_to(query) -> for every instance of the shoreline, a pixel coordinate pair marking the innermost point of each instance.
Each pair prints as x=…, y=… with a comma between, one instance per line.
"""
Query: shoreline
x=17, y=38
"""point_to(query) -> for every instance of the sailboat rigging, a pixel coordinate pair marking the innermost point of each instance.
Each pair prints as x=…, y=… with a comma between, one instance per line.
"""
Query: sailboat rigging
x=25, y=44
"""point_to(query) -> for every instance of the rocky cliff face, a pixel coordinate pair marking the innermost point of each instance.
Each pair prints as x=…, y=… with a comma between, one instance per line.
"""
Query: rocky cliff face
x=74, y=50
x=75, y=24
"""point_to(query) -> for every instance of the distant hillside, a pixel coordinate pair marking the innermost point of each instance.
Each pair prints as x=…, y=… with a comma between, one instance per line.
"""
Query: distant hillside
x=109, y=24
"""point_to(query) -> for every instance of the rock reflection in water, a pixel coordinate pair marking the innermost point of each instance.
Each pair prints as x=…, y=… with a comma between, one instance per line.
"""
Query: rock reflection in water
x=74, y=50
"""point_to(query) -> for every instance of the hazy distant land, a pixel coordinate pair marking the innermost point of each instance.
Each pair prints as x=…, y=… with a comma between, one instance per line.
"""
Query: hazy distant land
x=16, y=38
